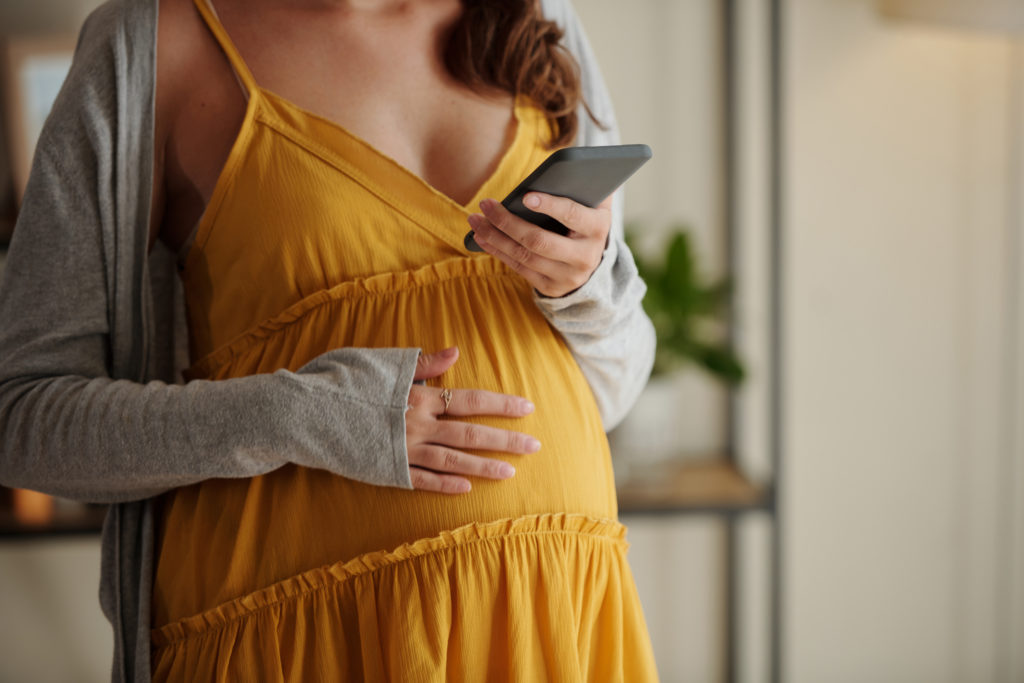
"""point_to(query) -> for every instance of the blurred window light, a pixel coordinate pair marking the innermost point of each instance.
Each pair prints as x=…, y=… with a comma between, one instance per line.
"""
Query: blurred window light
x=1003, y=16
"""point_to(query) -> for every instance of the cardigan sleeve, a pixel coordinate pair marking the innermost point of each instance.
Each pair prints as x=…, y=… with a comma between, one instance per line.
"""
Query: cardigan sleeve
x=71, y=423
x=603, y=322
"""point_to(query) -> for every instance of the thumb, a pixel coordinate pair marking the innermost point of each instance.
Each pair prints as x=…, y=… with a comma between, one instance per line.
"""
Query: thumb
x=433, y=364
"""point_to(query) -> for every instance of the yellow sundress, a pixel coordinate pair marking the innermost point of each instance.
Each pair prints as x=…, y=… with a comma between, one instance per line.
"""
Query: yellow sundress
x=313, y=240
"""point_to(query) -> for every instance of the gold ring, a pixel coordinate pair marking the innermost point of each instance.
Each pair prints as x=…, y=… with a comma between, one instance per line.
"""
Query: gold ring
x=446, y=396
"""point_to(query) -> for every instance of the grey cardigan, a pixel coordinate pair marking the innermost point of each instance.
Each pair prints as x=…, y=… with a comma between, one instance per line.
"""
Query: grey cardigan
x=93, y=337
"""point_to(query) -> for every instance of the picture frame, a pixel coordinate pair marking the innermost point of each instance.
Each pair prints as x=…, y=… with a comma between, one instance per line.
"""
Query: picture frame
x=34, y=69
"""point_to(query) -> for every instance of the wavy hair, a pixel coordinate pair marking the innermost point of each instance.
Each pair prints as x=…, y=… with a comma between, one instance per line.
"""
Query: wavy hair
x=508, y=45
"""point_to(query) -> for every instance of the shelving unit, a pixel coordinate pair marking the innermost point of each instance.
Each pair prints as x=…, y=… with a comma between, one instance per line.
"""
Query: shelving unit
x=718, y=489
x=694, y=487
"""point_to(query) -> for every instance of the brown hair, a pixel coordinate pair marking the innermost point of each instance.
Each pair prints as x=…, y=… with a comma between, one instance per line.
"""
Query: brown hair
x=508, y=45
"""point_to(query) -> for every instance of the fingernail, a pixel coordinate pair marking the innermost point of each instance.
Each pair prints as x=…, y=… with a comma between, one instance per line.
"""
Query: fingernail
x=486, y=204
x=526, y=406
x=463, y=487
x=474, y=220
x=449, y=352
x=533, y=445
x=506, y=471
x=532, y=201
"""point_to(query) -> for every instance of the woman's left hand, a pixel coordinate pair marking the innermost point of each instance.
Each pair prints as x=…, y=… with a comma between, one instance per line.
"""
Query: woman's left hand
x=553, y=264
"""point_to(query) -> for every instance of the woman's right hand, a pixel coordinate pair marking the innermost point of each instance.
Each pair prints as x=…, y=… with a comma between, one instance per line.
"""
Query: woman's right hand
x=435, y=445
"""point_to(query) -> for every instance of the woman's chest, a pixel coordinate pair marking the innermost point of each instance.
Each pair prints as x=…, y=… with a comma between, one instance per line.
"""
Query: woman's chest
x=382, y=81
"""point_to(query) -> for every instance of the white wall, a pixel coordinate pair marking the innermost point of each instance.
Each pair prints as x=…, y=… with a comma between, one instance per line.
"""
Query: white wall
x=51, y=627
x=899, y=459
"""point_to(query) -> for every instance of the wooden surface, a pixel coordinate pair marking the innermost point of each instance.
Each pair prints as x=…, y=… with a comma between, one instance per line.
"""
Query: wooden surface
x=688, y=485
x=666, y=487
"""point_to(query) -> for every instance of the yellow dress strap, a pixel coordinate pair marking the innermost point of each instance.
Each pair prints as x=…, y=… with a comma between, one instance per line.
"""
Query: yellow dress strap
x=245, y=76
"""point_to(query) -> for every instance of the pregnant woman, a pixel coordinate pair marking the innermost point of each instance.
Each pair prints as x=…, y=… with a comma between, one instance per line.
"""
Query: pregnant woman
x=300, y=509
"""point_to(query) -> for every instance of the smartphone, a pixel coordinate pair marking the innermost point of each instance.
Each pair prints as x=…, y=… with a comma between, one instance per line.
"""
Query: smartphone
x=584, y=174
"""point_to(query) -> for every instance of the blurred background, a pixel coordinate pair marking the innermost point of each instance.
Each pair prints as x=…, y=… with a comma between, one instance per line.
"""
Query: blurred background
x=853, y=508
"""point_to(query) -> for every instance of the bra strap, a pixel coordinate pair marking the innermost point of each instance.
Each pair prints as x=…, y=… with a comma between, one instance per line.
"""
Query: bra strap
x=242, y=72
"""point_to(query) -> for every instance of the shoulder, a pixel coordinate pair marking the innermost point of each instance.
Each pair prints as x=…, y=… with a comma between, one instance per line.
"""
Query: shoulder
x=182, y=44
x=190, y=66
x=117, y=40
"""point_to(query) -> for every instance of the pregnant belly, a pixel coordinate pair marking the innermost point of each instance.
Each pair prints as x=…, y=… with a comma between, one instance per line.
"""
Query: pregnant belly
x=237, y=536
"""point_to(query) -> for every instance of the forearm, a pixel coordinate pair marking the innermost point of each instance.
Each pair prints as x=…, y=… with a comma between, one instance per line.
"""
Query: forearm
x=608, y=332
x=103, y=440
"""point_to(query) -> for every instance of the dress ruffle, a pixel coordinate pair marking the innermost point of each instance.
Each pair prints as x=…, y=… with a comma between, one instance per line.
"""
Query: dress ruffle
x=385, y=285
x=546, y=597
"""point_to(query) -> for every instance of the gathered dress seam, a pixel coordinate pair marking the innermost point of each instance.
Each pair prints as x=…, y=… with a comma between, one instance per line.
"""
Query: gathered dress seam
x=271, y=326
x=339, y=581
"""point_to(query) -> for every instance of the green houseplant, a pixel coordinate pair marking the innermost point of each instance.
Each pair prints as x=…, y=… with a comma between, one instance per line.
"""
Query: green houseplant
x=687, y=310
x=678, y=415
